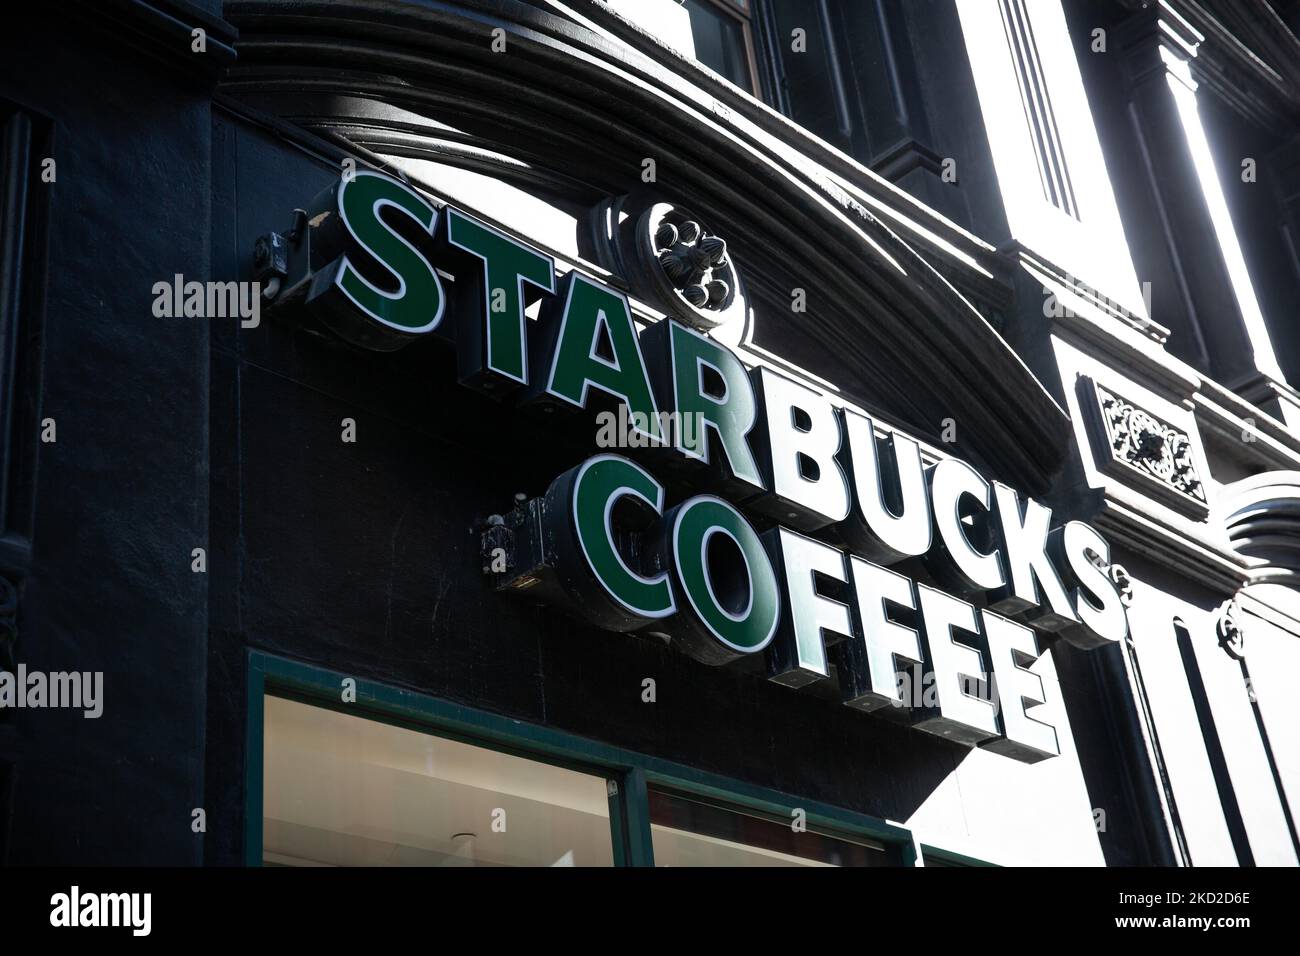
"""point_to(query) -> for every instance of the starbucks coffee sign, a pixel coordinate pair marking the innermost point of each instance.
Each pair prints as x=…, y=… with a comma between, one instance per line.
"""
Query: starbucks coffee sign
x=616, y=542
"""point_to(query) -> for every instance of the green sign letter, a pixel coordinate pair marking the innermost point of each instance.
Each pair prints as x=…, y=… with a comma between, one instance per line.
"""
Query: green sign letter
x=600, y=483
x=416, y=305
x=731, y=414
x=576, y=362
x=497, y=340
x=727, y=578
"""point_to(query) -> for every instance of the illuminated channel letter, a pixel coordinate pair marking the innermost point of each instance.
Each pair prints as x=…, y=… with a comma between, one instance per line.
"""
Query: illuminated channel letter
x=399, y=295
x=961, y=715
x=731, y=600
x=954, y=560
x=608, y=591
x=798, y=654
x=592, y=316
x=890, y=520
x=1096, y=598
x=797, y=440
x=868, y=664
x=1013, y=649
x=491, y=334
x=1023, y=539
x=708, y=388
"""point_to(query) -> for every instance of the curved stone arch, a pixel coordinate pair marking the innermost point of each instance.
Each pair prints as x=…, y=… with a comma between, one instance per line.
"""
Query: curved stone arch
x=1262, y=515
x=920, y=349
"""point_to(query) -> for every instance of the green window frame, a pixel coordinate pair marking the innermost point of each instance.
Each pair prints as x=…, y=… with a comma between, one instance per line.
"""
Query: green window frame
x=629, y=773
x=933, y=856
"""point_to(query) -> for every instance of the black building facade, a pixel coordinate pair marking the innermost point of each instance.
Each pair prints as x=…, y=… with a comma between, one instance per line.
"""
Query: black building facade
x=265, y=475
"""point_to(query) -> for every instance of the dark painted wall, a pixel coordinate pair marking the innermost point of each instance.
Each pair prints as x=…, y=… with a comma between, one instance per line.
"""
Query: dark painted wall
x=122, y=495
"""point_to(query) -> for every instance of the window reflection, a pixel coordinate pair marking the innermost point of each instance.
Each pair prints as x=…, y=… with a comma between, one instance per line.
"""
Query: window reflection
x=720, y=40
x=690, y=832
x=340, y=790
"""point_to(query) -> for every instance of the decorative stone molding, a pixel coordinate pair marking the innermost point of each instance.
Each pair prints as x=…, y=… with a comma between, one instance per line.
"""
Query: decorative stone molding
x=1087, y=310
x=1123, y=583
x=1228, y=627
x=1240, y=48
x=1263, y=523
x=1117, y=575
x=878, y=268
x=671, y=260
x=1135, y=446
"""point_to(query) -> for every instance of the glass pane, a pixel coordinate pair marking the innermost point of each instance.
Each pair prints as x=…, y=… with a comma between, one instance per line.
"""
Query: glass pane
x=813, y=80
x=688, y=832
x=345, y=791
x=719, y=42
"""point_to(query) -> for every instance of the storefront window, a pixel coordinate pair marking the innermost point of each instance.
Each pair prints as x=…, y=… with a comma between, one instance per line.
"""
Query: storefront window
x=690, y=832
x=340, y=790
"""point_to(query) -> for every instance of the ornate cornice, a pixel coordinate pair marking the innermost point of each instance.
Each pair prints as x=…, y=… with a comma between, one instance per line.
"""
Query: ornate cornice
x=1240, y=49
x=1129, y=343
x=969, y=262
x=571, y=102
x=1128, y=521
x=1250, y=56
x=1256, y=438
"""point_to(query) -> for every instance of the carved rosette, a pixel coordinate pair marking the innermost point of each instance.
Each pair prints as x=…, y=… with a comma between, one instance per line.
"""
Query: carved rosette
x=1130, y=442
x=671, y=260
x=693, y=261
